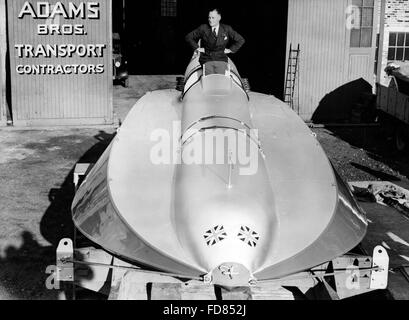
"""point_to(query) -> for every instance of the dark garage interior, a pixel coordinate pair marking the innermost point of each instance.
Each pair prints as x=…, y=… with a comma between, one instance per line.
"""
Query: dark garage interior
x=153, y=33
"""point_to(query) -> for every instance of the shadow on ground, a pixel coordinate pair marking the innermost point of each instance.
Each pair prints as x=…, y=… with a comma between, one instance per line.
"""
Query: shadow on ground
x=28, y=264
x=24, y=267
x=377, y=145
x=56, y=222
x=337, y=105
x=377, y=174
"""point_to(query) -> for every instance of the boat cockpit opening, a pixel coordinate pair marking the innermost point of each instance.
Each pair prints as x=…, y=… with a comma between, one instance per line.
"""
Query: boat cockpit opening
x=212, y=68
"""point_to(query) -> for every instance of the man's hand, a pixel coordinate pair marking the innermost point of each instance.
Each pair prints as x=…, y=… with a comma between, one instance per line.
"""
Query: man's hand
x=227, y=51
x=200, y=50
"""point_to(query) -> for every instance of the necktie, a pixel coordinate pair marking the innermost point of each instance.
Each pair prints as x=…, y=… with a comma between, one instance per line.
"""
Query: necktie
x=214, y=32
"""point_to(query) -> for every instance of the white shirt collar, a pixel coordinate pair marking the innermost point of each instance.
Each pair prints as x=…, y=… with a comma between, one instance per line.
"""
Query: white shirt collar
x=217, y=29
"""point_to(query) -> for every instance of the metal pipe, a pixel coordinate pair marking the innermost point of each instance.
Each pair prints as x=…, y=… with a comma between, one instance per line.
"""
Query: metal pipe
x=381, y=40
x=96, y=264
x=3, y=67
x=352, y=125
x=318, y=276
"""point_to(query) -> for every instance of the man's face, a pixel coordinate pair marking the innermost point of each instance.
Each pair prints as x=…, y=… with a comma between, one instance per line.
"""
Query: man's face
x=214, y=18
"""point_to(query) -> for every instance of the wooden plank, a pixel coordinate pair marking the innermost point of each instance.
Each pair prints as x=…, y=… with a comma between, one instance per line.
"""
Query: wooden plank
x=406, y=117
x=141, y=285
x=392, y=99
x=129, y=290
x=122, y=286
x=384, y=93
x=166, y=291
x=400, y=106
x=133, y=285
x=237, y=293
x=129, y=285
x=90, y=277
x=195, y=290
x=275, y=292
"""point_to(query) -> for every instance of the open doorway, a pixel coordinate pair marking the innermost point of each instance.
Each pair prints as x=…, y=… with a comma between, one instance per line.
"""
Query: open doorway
x=153, y=32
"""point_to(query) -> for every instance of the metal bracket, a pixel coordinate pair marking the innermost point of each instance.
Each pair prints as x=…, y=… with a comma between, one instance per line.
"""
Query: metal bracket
x=379, y=277
x=208, y=278
x=65, y=256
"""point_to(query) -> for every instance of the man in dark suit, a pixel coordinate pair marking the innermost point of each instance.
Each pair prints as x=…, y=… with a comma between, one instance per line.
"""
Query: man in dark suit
x=215, y=37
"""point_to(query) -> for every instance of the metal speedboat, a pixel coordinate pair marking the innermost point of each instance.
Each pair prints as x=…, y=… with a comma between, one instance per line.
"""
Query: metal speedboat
x=217, y=181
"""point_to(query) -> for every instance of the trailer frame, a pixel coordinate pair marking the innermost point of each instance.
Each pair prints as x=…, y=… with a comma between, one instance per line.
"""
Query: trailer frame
x=93, y=268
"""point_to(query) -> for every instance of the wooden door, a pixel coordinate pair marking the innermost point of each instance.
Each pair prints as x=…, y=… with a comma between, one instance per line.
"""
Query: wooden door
x=361, y=40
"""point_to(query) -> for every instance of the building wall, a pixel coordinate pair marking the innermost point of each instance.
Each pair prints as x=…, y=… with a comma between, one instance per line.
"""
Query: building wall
x=326, y=59
x=317, y=25
x=397, y=13
x=396, y=20
x=55, y=97
x=3, y=50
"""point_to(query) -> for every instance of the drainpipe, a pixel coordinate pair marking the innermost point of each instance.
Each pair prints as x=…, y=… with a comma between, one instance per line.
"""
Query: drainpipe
x=381, y=40
x=3, y=67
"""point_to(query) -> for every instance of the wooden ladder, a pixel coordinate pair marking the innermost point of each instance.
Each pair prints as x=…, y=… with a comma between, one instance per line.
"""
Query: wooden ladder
x=292, y=77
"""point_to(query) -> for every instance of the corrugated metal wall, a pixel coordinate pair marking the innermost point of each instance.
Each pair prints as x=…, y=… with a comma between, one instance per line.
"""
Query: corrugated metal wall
x=319, y=27
x=61, y=99
x=358, y=66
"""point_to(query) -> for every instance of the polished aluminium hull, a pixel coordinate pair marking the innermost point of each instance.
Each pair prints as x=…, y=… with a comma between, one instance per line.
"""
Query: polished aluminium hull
x=290, y=215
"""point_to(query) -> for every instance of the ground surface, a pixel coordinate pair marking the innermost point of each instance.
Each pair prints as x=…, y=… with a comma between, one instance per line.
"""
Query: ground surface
x=36, y=183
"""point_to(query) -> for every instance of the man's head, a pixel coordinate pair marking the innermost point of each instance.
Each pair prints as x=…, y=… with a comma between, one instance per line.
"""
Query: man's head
x=214, y=17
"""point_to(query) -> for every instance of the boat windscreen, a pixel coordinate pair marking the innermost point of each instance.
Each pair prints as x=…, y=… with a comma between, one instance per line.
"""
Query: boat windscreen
x=209, y=68
x=216, y=67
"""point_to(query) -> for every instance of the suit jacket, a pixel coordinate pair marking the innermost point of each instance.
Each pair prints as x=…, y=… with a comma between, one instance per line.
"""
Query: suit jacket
x=214, y=48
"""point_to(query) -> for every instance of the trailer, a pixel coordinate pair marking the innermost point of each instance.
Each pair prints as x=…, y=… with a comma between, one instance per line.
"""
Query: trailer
x=393, y=105
x=82, y=265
